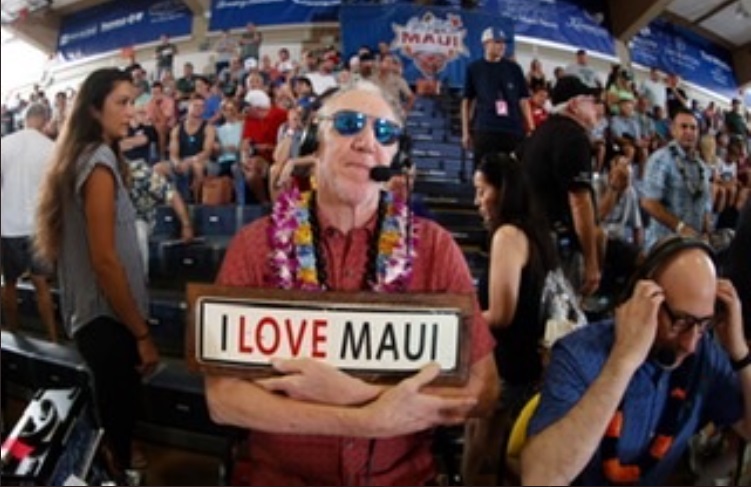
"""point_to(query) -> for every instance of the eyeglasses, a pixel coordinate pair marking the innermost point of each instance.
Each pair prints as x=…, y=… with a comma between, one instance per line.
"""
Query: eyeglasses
x=349, y=123
x=681, y=323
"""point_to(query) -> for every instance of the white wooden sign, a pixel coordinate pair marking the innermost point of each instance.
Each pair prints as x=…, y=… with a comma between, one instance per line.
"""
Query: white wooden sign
x=384, y=337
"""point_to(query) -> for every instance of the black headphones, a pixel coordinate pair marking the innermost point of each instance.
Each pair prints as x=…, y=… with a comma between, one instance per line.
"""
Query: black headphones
x=309, y=137
x=661, y=254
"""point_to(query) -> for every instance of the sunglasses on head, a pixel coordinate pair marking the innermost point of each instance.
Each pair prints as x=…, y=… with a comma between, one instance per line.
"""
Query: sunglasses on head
x=349, y=123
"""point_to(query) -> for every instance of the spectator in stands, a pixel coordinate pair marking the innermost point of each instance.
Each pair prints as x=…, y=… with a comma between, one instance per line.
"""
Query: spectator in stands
x=286, y=161
x=713, y=121
x=382, y=433
x=25, y=157
x=394, y=84
x=646, y=123
x=142, y=139
x=724, y=189
x=366, y=66
x=147, y=190
x=622, y=220
x=225, y=48
x=59, y=112
x=619, y=90
x=309, y=63
x=538, y=105
x=536, y=76
x=558, y=161
x=268, y=70
x=233, y=77
x=734, y=120
x=228, y=139
x=622, y=399
x=165, y=54
x=191, y=146
x=582, y=70
x=653, y=88
x=662, y=125
x=212, y=99
x=303, y=91
x=162, y=113
x=510, y=292
x=285, y=64
x=676, y=98
x=186, y=85
x=324, y=78
x=495, y=106
x=86, y=226
x=625, y=128
x=143, y=88
x=737, y=157
x=262, y=123
x=677, y=195
x=250, y=42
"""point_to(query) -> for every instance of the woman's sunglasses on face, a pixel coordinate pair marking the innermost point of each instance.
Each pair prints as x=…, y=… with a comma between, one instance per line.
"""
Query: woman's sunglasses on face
x=349, y=123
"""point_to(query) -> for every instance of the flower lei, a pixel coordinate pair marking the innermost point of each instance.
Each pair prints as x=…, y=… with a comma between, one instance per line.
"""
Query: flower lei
x=294, y=256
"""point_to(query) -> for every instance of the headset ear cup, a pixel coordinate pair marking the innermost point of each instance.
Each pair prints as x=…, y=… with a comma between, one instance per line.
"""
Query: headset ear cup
x=309, y=140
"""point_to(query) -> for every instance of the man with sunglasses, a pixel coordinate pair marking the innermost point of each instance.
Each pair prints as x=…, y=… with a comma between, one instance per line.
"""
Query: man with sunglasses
x=622, y=399
x=313, y=424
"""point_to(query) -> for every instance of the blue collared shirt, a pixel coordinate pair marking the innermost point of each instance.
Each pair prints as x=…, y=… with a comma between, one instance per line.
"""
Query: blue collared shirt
x=663, y=181
x=578, y=359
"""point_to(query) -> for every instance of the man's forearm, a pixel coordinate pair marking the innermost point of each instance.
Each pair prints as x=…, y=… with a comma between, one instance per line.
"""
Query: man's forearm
x=560, y=452
x=657, y=211
x=584, y=225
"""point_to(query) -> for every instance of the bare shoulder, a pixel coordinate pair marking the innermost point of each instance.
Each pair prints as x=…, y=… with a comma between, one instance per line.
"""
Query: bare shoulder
x=510, y=239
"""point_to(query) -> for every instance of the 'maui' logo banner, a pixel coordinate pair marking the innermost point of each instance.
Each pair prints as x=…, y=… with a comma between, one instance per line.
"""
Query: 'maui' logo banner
x=118, y=24
x=695, y=59
x=435, y=43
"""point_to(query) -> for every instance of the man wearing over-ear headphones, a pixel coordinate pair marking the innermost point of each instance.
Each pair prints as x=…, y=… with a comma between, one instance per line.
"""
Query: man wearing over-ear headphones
x=621, y=399
x=312, y=424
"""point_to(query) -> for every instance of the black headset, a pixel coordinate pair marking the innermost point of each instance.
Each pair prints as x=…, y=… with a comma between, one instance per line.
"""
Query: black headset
x=661, y=254
x=309, y=137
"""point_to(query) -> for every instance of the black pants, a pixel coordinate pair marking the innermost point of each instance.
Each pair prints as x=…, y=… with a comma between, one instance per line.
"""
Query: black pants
x=488, y=142
x=110, y=351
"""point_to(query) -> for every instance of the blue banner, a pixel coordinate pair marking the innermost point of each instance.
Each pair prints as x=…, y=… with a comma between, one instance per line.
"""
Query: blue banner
x=230, y=14
x=577, y=23
x=434, y=43
x=118, y=24
x=676, y=50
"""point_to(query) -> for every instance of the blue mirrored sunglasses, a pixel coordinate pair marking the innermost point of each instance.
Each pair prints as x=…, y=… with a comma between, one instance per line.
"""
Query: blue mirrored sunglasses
x=349, y=123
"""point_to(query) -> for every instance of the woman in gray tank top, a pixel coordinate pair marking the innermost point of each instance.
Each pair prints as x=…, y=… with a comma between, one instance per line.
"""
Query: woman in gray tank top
x=86, y=226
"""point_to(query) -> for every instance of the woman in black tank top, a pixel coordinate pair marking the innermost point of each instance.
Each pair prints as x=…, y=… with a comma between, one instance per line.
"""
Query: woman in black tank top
x=521, y=254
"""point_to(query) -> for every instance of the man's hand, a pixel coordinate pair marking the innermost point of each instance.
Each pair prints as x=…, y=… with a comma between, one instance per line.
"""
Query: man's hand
x=311, y=380
x=636, y=324
x=149, y=356
x=405, y=408
x=591, y=279
x=466, y=141
x=729, y=323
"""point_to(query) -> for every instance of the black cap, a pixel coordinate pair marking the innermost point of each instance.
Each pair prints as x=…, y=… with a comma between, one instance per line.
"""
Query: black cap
x=366, y=56
x=570, y=86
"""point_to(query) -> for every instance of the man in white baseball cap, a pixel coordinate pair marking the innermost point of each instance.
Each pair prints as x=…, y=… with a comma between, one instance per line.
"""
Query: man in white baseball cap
x=262, y=121
x=495, y=106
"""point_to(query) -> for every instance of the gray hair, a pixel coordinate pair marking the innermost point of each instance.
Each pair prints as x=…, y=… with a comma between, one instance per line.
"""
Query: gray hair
x=368, y=87
x=37, y=110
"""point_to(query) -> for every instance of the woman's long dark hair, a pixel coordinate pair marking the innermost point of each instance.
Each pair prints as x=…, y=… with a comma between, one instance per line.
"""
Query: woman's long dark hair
x=516, y=205
x=82, y=132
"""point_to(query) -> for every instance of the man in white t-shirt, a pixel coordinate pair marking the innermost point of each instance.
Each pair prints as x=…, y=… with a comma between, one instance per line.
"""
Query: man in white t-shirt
x=582, y=70
x=24, y=156
x=654, y=89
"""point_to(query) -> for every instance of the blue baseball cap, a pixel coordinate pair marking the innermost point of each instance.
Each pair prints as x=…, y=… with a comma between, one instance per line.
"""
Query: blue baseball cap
x=493, y=34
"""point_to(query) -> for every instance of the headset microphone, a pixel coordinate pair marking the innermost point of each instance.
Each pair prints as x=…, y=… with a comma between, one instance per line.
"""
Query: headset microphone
x=381, y=174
